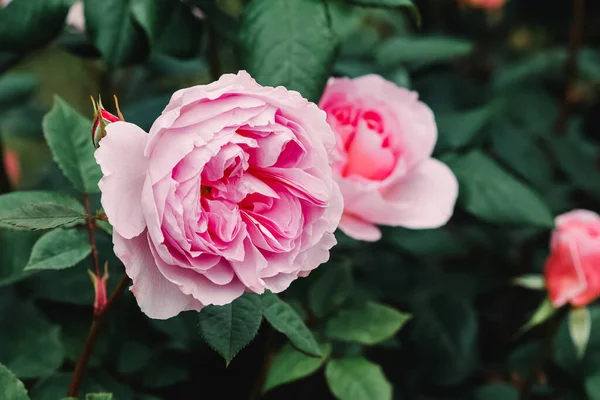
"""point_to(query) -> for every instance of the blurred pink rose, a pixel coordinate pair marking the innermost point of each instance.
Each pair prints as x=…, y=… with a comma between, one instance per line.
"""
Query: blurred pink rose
x=384, y=169
x=572, y=271
x=489, y=4
x=12, y=167
x=75, y=17
x=231, y=191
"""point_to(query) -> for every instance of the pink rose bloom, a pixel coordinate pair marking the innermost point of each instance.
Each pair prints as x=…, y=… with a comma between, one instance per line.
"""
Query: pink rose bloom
x=572, y=271
x=231, y=191
x=12, y=167
x=384, y=165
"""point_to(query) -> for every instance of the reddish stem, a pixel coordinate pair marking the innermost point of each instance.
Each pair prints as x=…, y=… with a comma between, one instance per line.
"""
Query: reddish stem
x=92, y=337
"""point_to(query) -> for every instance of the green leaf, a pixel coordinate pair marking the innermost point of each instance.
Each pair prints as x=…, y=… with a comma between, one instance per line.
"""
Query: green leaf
x=492, y=194
x=520, y=151
x=592, y=386
x=15, y=247
x=370, y=324
x=112, y=28
x=30, y=24
x=459, y=129
x=229, y=328
x=532, y=281
x=357, y=379
x=105, y=226
x=444, y=335
x=407, y=4
x=289, y=365
x=420, y=51
x=288, y=43
x=10, y=387
x=286, y=320
x=68, y=135
x=578, y=160
x=15, y=88
x=429, y=243
x=36, y=216
x=164, y=370
x=580, y=328
x=541, y=315
x=497, y=391
x=59, y=249
x=29, y=345
x=170, y=26
x=330, y=291
x=98, y=396
x=15, y=200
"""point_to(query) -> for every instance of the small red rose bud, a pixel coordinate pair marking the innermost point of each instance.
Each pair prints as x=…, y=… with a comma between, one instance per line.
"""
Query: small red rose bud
x=100, y=297
x=102, y=118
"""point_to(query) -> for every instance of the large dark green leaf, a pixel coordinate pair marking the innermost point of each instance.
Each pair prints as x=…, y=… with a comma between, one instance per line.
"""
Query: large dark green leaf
x=409, y=5
x=459, y=129
x=444, y=334
x=288, y=43
x=492, y=194
x=331, y=289
x=170, y=26
x=229, y=328
x=578, y=160
x=497, y=391
x=10, y=387
x=370, y=324
x=420, y=51
x=357, y=379
x=29, y=345
x=289, y=365
x=15, y=88
x=287, y=321
x=521, y=152
x=15, y=247
x=111, y=25
x=59, y=249
x=68, y=135
x=28, y=24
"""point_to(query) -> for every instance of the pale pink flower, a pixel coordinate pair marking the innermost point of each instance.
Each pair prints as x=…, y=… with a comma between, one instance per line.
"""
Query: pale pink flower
x=385, y=137
x=231, y=191
x=75, y=17
x=572, y=271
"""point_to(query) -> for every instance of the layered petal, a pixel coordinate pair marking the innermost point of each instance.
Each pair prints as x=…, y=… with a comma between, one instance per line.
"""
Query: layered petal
x=157, y=297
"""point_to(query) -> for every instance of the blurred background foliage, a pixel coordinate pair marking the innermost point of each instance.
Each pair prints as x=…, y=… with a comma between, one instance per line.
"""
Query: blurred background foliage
x=517, y=106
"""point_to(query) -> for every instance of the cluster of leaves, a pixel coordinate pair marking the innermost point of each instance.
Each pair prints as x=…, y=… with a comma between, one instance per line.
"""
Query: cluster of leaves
x=496, y=84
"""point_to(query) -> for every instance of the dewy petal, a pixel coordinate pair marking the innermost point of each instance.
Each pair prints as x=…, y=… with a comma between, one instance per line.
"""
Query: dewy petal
x=359, y=229
x=121, y=158
x=157, y=297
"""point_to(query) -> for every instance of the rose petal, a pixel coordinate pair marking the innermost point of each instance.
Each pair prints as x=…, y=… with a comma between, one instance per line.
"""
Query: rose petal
x=359, y=229
x=157, y=297
x=121, y=158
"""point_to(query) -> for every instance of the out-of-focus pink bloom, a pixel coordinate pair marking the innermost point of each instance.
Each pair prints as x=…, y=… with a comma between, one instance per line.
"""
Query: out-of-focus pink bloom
x=75, y=17
x=487, y=4
x=572, y=271
x=13, y=167
x=385, y=137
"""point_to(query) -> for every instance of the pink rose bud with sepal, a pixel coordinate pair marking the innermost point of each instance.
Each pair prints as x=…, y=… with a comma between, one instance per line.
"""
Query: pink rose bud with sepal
x=102, y=118
x=100, y=297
